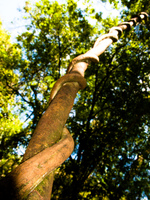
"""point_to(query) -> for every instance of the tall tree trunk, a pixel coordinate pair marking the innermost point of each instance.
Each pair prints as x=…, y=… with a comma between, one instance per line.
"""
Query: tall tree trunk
x=51, y=143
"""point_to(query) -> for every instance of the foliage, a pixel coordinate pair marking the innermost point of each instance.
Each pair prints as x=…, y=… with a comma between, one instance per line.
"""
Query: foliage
x=110, y=118
x=110, y=127
x=56, y=33
x=10, y=124
x=137, y=6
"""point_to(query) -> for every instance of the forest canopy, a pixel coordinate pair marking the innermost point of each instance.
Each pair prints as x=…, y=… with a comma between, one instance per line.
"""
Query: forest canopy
x=110, y=119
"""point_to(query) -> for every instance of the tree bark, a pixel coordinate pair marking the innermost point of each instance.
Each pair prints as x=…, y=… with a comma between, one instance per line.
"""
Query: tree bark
x=51, y=143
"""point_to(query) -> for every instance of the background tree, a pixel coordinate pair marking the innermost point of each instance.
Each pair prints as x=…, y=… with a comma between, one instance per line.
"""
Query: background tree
x=12, y=133
x=110, y=118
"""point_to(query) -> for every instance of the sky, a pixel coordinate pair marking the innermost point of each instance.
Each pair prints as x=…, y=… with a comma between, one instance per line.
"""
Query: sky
x=9, y=12
x=8, y=9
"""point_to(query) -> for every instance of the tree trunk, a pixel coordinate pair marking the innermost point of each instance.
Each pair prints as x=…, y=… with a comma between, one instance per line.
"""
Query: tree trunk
x=51, y=143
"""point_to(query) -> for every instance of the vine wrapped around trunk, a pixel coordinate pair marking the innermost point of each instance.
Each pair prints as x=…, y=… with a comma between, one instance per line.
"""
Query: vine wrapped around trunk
x=51, y=143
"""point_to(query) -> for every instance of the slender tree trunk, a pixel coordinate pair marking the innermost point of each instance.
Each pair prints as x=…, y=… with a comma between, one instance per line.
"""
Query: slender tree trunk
x=51, y=143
